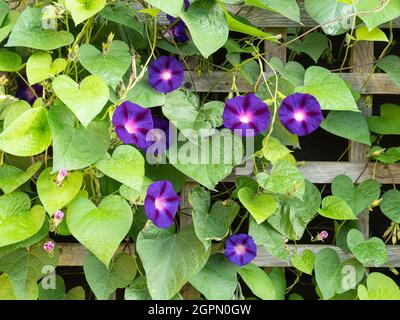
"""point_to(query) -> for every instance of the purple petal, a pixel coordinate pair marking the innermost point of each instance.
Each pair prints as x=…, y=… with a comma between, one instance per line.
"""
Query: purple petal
x=24, y=92
x=247, y=113
x=240, y=249
x=166, y=74
x=300, y=114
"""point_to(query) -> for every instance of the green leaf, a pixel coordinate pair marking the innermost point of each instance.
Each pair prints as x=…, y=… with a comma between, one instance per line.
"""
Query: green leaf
x=172, y=7
x=391, y=65
x=25, y=268
x=217, y=163
x=145, y=95
x=313, y=44
x=15, y=109
x=390, y=205
x=58, y=293
x=7, y=292
x=273, y=150
x=207, y=25
x=76, y=148
x=29, y=32
x=272, y=241
x=10, y=61
x=169, y=259
x=126, y=166
x=258, y=281
x=217, y=280
x=379, y=287
x=334, y=16
x=137, y=290
x=293, y=215
x=334, y=207
x=100, y=229
x=123, y=14
x=28, y=135
x=211, y=224
x=40, y=67
x=376, y=34
x=331, y=91
x=287, y=8
x=82, y=10
x=17, y=220
x=388, y=122
x=392, y=155
x=359, y=197
x=3, y=11
x=285, y=179
x=261, y=206
x=111, y=64
x=8, y=24
x=291, y=71
x=304, y=262
x=376, y=12
x=349, y=125
x=104, y=281
x=368, y=251
x=55, y=197
x=12, y=177
x=85, y=100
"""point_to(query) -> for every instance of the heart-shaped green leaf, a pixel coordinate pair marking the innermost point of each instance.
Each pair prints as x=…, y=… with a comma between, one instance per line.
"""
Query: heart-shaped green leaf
x=334, y=207
x=388, y=122
x=391, y=65
x=368, y=251
x=25, y=267
x=145, y=95
x=292, y=71
x=111, y=65
x=82, y=10
x=217, y=280
x=359, y=197
x=379, y=287
x=16, y=109
x=12, y=177
x=55, y=197
x=375, y=12
x=28, y=135
x=126, y=166
x=17, y=221
x=313, y=44
x=211, y=224
x=85, y=100
x=390, y=205
x=29, y=32
x=8, y=24
x=76, y=148
x=293, y=215
x=166, y=259
x=331, y=91
x=10, y=61
x=304, y=262
x=100, y=229
x=104, y=281
x=58, y=293
x=261, y=206
x=40, y=66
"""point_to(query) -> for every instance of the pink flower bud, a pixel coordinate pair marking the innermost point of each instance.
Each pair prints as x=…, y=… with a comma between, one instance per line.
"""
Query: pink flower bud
x=61, y=176
x=58, y=216
x=49, y=246
x=323, y=234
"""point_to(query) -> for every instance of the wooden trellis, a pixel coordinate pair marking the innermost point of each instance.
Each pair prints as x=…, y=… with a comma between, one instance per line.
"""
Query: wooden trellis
x=320, y=172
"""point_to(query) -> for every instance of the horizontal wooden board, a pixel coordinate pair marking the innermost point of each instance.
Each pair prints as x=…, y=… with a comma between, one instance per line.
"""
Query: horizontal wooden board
x=72, y=255
x=326, y=171
x=266, y=19
x=218, y=81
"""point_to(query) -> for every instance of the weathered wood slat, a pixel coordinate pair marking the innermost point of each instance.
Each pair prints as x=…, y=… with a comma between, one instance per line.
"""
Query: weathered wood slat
x=264, y=18
x=218, y=81
x=325, y=171
x=73, y=253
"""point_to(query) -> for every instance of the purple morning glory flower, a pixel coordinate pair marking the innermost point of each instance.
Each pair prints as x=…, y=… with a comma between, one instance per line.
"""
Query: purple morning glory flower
x=160, y=133
x=247, y=113
x=240, y=249
x=300, y=114
x=178, y=30
x=166, y=74
x=24, y=92
x=161, y=203
x=132, y=123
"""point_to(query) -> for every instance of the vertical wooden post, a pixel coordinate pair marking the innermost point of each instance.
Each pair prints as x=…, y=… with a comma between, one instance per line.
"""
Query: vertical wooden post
x=362, y=56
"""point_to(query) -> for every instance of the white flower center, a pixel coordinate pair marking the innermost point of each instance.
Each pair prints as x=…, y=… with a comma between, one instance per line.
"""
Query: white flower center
x=244, y=119
x=299, y=116
x=166, y=75
x=130, y=127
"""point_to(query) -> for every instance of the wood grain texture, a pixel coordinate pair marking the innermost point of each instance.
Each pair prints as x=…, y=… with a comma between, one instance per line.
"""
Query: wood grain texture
x=219, y=81
x=325, y=171
x=72, y=255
